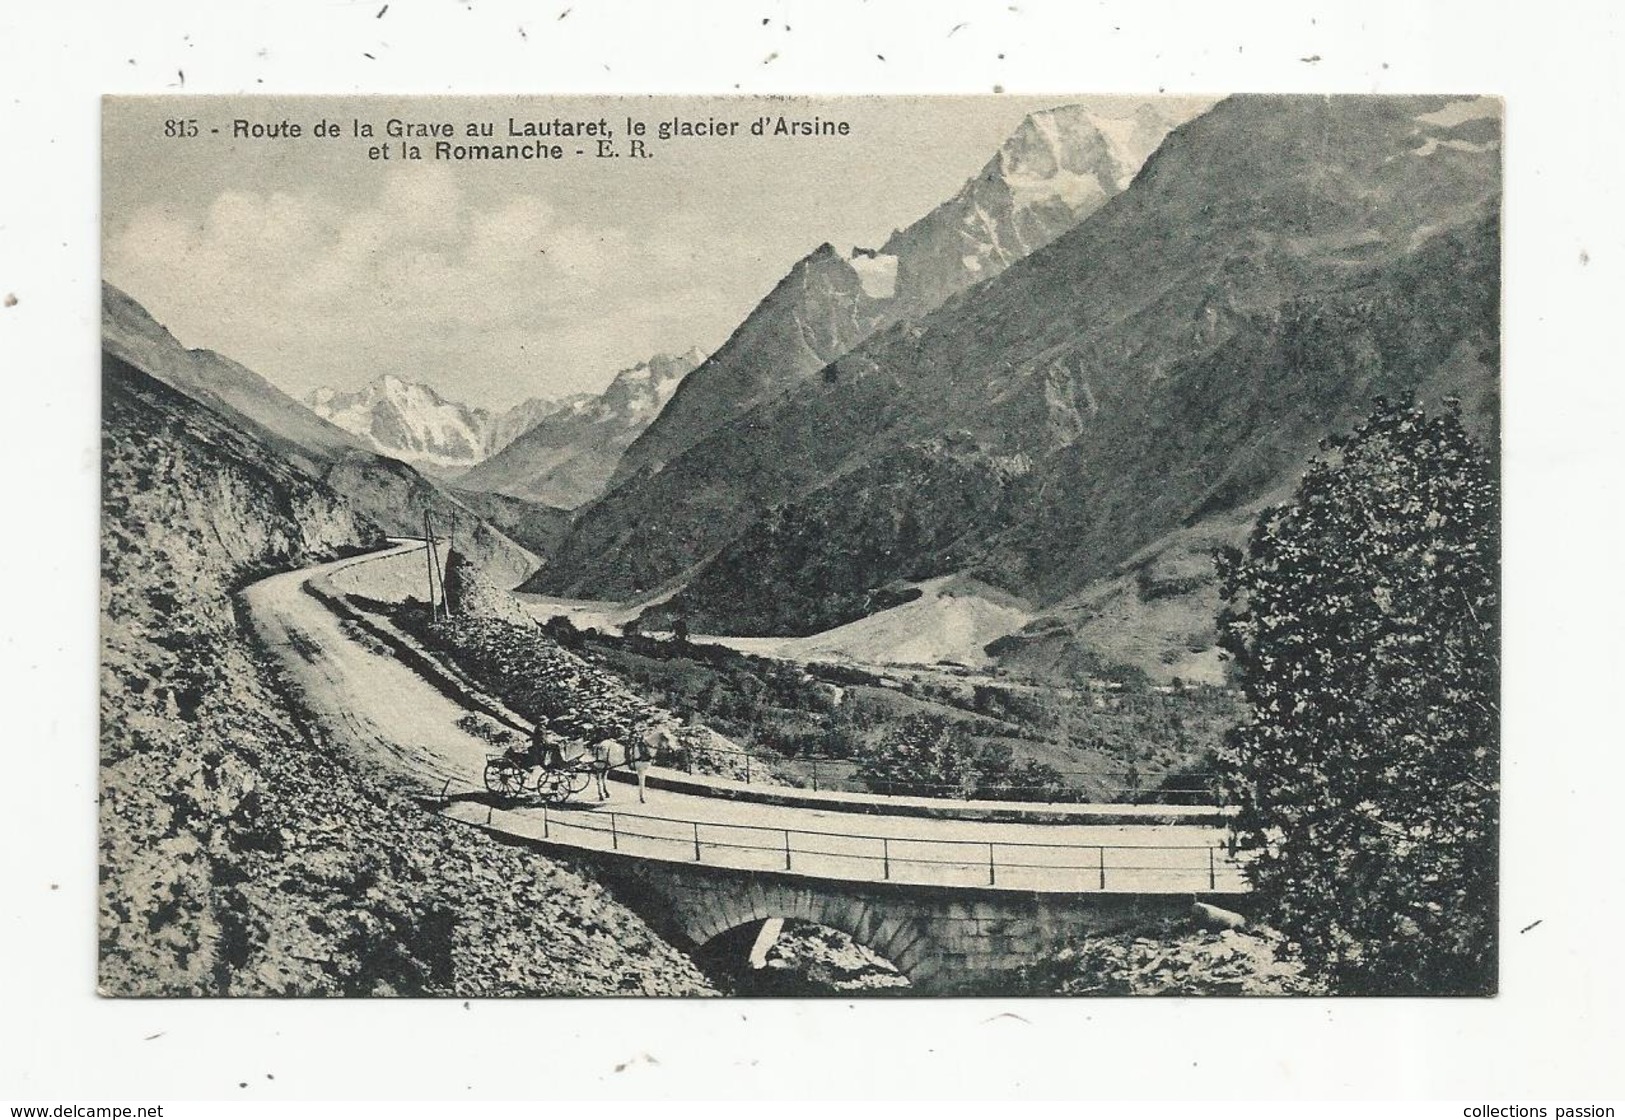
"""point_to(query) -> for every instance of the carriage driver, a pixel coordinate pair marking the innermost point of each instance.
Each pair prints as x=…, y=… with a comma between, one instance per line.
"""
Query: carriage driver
x=545, y=753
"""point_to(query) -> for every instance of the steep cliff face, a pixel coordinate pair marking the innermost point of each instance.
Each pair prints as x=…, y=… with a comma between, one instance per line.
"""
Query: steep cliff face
x=240, y=854
x=567, y=458
x=1276, y=264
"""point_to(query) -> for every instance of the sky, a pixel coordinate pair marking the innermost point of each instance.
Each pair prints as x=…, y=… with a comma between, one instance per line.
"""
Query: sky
x=494, y=282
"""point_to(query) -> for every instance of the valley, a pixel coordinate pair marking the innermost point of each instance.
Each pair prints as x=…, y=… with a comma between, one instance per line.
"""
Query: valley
x=811, y=710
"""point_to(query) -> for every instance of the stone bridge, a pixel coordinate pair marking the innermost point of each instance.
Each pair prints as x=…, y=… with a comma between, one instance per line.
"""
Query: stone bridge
x=944, y=939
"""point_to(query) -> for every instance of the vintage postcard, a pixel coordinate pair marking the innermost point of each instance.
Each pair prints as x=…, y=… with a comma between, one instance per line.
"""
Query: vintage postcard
x=784, y=546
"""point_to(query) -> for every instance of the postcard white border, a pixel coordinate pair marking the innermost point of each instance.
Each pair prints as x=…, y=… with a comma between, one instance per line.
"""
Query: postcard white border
x=1556, y=1029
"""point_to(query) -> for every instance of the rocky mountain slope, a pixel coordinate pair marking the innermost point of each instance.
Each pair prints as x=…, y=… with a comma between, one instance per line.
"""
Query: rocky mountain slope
x=1169, y=959
x=240, y=854
x=130, y=334
x=1276, y=264
x=510, y=425
x=1058, y=167
x=1156, y=611
x=566, y=458
x=535, y=525
x=387, y=491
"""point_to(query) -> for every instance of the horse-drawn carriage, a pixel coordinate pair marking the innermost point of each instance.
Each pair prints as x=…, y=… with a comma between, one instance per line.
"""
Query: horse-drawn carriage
x=555, y=768
x=513, y=775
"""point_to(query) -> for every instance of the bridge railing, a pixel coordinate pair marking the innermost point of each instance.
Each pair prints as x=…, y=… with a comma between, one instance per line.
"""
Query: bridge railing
x=918, y=859
x=831, y=772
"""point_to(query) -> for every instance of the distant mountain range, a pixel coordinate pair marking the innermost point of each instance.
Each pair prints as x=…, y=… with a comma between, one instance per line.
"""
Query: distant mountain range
x=558, y=452
x=1157, y=366
x=413, y=422
x=566, y=457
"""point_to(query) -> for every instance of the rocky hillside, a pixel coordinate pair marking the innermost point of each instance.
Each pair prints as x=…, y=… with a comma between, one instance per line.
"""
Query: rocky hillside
x=387, y=491
x=535, y=525
x=1156, y=611
x=1058, y=167
x=1170, y=959
x=1276, y=264
x=396, y=495
x=240, y=854
x=130, y=334
x=510, y=425
x=566, y=458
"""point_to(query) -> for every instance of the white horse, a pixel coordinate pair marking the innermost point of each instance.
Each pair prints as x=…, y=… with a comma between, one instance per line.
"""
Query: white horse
x=646, y=745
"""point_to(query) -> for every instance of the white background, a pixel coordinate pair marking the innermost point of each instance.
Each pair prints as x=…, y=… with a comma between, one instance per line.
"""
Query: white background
x=1553, y=1033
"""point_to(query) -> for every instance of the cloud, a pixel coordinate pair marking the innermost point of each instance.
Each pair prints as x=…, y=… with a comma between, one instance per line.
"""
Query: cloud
x=310, y=292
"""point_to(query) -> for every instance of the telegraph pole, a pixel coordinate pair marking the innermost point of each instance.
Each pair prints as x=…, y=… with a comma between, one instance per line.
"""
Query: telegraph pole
x=451, y=544
x=434, y=560
x=428, y=544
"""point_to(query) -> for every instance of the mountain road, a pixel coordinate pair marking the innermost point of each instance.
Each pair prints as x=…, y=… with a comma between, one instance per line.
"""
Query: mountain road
x=394, y=722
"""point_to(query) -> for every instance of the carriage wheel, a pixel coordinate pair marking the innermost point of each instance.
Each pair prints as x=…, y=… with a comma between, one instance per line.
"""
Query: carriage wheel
x=554, y=789
x=579, y=780
x=504, y=778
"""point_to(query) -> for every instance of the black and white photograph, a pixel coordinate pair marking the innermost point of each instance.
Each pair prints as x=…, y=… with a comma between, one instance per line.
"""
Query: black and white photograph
x=857, y=547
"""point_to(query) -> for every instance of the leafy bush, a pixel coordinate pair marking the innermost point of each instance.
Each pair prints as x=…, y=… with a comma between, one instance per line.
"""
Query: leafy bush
x=1364, y=619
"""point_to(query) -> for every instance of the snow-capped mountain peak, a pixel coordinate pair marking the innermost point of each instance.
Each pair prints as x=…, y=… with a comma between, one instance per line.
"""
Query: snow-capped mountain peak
x=408, y=421
x=639, y=393
x=1057, y=167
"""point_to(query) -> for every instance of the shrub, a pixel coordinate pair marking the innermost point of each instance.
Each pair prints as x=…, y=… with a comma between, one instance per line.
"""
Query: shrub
x=1364, y=620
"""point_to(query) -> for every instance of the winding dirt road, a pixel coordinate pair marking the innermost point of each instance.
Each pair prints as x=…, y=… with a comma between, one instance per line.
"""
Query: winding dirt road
x=396, y=723
x=377, y=708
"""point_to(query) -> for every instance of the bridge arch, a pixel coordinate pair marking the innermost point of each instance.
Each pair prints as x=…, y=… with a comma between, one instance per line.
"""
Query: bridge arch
x=878, y=930
x=694, y=904
x=795, y=957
